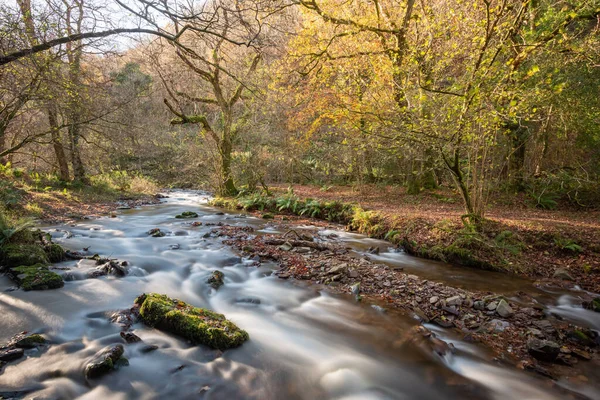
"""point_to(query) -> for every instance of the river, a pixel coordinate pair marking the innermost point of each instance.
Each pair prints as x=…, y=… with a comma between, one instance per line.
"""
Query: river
x=304, y=343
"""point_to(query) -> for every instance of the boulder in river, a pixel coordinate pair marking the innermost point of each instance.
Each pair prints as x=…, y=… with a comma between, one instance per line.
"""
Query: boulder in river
x=543, y=350
x=198, y=325
x=216, y=279
x=187, y=214
x=16, y=255
x=36, y=277
x=27, y=341
x=156, y=232
x=105, y=361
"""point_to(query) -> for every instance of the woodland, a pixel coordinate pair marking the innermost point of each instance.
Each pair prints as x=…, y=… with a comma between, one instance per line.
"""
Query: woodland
x=457, y=140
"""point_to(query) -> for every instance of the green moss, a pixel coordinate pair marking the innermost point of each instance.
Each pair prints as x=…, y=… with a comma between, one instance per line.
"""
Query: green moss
x=198, y=325
x=16, y=255
x=187, y=214
x=30, y=341
x=36, y=277
x=55, y=253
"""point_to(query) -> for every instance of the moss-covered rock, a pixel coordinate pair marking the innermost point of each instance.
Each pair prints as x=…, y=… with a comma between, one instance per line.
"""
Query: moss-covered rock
x=55, y=253
x=36, y=277
x=198, y=325
x=216, y=279
x=156, y=232
x=187, y=214
x=16, y=255
x=25, y=341
x=105, y=361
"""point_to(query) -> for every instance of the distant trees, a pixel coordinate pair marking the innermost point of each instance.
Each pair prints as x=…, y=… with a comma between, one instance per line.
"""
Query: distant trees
x=458, y=75
x=485, y=96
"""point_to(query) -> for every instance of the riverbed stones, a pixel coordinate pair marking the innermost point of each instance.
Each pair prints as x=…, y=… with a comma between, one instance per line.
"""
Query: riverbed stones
x=434, y=299
x=492, y=306
x=198, y=325
x=104, y=361
x=543, y=350
x=454, y=301
x=503, y=309
x=216, y=279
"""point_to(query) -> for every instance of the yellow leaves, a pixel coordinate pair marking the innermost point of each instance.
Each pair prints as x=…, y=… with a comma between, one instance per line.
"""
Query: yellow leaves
x=533, y=70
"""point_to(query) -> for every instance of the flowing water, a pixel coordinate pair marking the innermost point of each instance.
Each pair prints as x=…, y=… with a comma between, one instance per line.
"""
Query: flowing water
x=304, y=343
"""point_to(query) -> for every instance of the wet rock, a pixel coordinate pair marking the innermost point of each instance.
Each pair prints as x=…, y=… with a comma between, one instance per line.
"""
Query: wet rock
x=216, y=279
x=174, y=247
x=585, y=337
x=111, y=267
x=503, y=309
x=25, y=341
x=545, y=326
x=454, y=301
x=492, y=306
x=451, y=310
x=187, y=214
x=543, y=350
x=355, y=289
x=443, y=322
x=378, y=308
x=198, y=325
x=338, y=269
x=156, y=232
x=593, y=305
x=103, y=362
x=562, y=273
x=11, y=354
x=248, y=300
x=149, y=348
x=373, y=250
x=421, y=315
x=220, y=213
x=479, y=305
x=36, y=277
x=130, y=337
x=433, y=299
x=267, y=216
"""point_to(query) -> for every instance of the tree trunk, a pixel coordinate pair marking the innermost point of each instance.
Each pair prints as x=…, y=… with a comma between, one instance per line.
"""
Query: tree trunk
x=227, y=185
x=59, y=151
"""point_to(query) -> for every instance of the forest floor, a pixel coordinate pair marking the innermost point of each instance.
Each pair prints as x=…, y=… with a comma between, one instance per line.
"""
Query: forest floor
x=559, y=246
x=52, y=201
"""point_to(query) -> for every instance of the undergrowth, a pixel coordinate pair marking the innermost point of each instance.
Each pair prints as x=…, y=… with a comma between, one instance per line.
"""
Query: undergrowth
x=476, y=246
